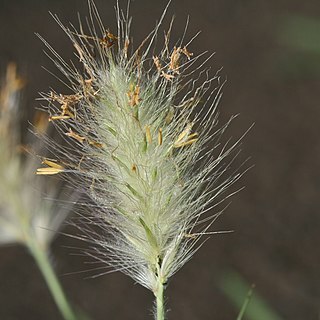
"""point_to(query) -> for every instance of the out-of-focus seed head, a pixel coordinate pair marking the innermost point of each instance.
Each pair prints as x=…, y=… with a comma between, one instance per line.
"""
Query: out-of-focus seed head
x=23, y=211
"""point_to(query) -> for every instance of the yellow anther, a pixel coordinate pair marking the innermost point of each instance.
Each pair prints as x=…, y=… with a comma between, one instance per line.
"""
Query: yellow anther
x=185, y=138
x=74, y=135
x=184, y=134
x=52, y=164
x=95, y=143
x=52, y=118
x=126, y=47
x=174, y=60
x=53, y=168
x=133, y=95
x=148, y=134
x=157, y=62
x=160, y=137
x=48, y=171
x=185, y=51
x=185, y=143
x=168, y=77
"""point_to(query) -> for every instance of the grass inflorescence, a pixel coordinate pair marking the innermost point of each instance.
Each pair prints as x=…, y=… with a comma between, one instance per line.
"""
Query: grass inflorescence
x=143, y=141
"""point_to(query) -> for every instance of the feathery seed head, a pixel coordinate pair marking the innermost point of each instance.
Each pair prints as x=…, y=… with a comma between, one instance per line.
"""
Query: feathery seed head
x=23, y=212
x=139, y=131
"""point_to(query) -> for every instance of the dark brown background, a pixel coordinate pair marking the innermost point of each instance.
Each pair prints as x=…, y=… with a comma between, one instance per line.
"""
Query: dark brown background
x=276, y=218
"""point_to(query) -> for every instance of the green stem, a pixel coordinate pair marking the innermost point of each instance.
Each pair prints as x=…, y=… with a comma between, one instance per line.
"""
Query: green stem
x=41, y=257
x=160, y=301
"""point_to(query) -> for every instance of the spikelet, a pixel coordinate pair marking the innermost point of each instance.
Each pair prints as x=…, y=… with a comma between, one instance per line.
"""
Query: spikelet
x=141, y=136
x=24, y=214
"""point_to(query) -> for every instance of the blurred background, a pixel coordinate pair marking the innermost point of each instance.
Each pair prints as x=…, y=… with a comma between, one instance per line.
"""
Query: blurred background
x=270, y=54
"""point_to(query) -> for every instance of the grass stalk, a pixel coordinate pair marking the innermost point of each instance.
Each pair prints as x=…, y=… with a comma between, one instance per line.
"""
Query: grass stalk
x=41, y=257
x=160, y=312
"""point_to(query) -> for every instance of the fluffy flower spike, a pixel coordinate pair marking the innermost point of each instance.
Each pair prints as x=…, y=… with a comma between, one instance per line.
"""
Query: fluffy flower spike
x=24, y=214
x=142, y=140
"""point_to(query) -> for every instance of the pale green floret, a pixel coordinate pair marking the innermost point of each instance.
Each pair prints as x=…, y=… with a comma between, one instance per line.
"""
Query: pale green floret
x=146, y=180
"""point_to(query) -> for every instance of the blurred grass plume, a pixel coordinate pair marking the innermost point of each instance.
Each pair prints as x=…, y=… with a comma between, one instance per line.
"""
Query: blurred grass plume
x=22, y=210
x=25, y=216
